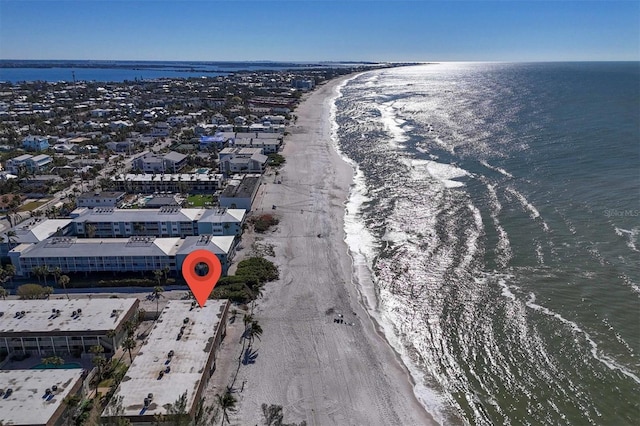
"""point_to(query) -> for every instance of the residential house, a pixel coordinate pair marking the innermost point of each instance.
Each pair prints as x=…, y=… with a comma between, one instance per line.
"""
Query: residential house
x=29, y=163
x=35, y=143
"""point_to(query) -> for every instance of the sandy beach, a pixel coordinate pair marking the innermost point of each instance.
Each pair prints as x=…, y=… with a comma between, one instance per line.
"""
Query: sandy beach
x=321, y=371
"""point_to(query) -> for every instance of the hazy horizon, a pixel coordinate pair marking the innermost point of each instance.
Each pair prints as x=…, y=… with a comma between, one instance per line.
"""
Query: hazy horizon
x=320, y=31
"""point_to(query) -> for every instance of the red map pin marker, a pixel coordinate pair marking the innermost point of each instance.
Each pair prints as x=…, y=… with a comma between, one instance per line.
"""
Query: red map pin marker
x=201, y=285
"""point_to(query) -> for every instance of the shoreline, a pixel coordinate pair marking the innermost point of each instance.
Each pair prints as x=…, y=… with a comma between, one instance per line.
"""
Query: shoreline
x=320, y=370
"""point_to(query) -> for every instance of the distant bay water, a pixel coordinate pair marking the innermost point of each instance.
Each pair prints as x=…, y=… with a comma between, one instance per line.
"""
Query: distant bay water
x=496, y=209
x=119, y=71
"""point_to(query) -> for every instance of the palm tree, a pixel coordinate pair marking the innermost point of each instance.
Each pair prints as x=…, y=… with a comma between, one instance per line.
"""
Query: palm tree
x=158, y=275
x=157, y=293
x=11, y=238
x=10, y=271
x=64, y=280
x=227, y=402
x=72, y=402
x=90, y=230
x=166, y=271
x=128, y=344
x=3, y=293
x=56, y=272
x=98, y=360
x=37, y=271
x=254, y=331
x=53, y=360
x=130, y=327
x=111, y=334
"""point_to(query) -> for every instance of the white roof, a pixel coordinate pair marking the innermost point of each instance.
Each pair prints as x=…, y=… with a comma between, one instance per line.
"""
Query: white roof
x=37, y=230
x=27, y=405
x=97, y=315
x=187, y=365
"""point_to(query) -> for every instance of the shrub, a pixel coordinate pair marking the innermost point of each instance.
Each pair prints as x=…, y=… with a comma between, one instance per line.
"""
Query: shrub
x=263, y=222
x=251, y=274
x=33, y=291
x=257, y=268
x=276, y=160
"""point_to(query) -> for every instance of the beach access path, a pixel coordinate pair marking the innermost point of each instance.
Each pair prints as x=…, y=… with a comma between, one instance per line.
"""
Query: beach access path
x=321, y=371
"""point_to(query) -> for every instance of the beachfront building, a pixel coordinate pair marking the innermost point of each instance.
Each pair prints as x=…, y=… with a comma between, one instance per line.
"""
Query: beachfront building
x=178, y=358
x=169, y=221
x=63, y=327
x=33, y=231
x=134, y=254
x=149, y=183
x=242, y=160
x=267, y=145
x=100, y=199
x=37, y=397
x=171, y=162
x=28, y=163
x=240, y=192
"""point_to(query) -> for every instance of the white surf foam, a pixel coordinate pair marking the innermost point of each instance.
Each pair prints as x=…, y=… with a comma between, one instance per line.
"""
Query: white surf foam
x=362, y=249
x=496, y=169
x=630, y=236
x=595, y=351
x=503, y=248
x=533, y=211
x=392, y=124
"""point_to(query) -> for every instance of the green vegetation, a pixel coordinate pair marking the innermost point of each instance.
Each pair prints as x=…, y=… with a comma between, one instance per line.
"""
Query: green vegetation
x=273, y=416
x=32, y=205
x=199, y=200
x=247, y=283
x=276, y=160
x=33, y=291
x=263, y=222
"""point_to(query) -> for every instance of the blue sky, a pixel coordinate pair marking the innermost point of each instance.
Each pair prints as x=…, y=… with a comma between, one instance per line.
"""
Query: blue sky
x=320, y=30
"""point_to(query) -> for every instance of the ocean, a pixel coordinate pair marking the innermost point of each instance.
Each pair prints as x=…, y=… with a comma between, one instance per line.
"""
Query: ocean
x=494, y=226
x=14, y=71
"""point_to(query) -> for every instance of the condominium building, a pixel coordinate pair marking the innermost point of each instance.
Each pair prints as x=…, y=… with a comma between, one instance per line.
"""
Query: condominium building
x=149, y=183
x=101, y=199
x=242, y=160
x=134, y=254
x=169, y=221
x=37, y=397
x=62, y=327
x=171, y=162
x=33, y=231
x=178, y=358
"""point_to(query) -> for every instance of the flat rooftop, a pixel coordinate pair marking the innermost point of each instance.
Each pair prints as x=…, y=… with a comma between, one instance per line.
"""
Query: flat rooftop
x=101, y=195
x=187, y=365
x=244, y=189
x=27, y=404
x=97, y=315
x=68, y=247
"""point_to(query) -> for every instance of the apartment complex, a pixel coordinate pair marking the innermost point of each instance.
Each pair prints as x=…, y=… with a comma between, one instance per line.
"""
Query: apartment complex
x=101, y=199
x=169, y=221
x=178, y=357
x=61, y=327
x=134, y=254
x=37, y=397
x=149, y=183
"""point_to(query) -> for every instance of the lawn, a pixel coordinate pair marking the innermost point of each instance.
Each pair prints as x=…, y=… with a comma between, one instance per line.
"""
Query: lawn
x=199, y=200
x=32, y=205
